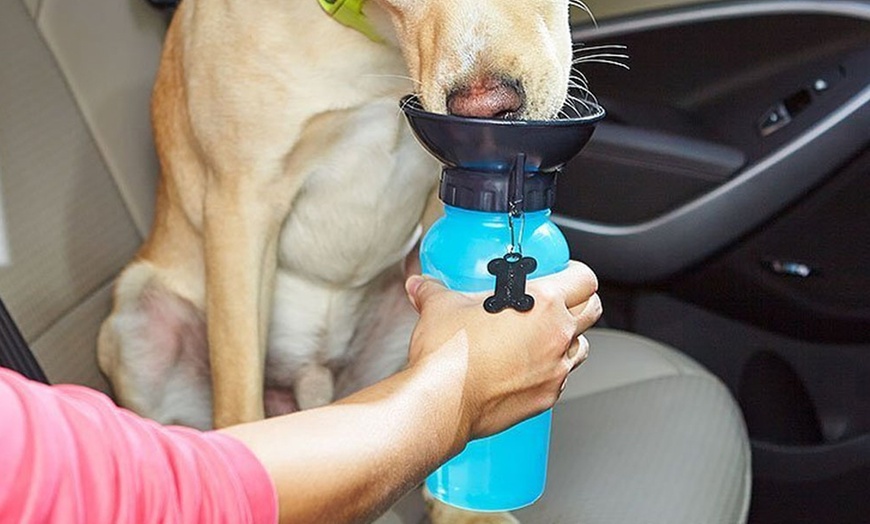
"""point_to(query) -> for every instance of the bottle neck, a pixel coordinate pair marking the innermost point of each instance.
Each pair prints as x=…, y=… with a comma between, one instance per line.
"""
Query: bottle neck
x=493, y=216
x=495, y=191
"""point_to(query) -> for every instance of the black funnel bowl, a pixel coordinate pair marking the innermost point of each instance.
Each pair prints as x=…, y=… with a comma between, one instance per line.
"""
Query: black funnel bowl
x=491, y=145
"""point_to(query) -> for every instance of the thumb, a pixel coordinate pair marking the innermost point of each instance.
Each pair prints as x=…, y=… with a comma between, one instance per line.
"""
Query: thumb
x=420, y=289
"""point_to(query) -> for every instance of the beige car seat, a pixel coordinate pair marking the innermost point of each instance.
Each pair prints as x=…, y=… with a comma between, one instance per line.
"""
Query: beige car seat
x=642, y=434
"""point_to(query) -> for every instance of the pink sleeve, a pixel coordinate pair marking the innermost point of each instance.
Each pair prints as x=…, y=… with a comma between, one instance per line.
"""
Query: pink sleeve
x=68, y=454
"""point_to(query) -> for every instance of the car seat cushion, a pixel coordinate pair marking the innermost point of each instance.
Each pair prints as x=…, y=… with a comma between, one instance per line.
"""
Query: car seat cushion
x=642, y=433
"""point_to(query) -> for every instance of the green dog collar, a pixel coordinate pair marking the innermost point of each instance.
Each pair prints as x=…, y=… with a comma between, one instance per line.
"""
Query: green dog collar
x=349, y=13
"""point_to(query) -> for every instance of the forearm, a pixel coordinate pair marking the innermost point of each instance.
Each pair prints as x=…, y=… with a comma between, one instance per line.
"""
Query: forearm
x=351, y=460
x=67, y=454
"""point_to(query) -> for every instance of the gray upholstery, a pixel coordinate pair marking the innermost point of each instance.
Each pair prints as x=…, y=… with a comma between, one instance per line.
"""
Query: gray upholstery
x=110, y=73
x=666, y=436
x=642, y=434
x=70, y=230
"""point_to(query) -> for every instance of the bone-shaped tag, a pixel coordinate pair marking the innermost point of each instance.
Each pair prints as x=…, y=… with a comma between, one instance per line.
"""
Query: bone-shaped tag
x=510, y=283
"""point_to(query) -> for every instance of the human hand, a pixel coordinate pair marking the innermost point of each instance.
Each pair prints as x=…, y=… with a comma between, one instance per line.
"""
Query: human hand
x=509, y=366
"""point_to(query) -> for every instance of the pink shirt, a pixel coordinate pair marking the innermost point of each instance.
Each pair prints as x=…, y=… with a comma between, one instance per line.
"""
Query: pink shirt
x=69, y=455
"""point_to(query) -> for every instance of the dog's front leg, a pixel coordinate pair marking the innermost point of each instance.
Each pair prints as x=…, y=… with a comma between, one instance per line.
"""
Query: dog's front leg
x=240, y=242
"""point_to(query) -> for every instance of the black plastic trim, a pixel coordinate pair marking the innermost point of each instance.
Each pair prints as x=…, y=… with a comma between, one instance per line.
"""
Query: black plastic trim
x=661, y=247
x=668, y=151
x=708, y=13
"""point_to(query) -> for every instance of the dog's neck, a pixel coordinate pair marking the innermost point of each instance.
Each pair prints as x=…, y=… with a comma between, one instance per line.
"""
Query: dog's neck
x=349, y=13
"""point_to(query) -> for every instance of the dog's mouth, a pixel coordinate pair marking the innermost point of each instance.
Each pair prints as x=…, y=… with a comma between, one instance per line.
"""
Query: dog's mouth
x=504, y=98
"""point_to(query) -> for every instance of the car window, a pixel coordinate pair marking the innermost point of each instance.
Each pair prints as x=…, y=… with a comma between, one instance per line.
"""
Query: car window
x=603, y=9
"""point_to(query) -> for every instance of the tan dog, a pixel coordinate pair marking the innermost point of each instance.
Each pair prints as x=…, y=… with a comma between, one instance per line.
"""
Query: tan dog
x=291, y=191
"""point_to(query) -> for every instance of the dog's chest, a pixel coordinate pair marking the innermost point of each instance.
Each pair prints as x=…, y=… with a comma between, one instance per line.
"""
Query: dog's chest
x=364, y=192
x=354, y=219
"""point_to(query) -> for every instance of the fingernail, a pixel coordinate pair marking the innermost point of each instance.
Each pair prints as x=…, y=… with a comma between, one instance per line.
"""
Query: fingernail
x=594, y=308
x=413, y=284
x=583, y=346
x=572, y=350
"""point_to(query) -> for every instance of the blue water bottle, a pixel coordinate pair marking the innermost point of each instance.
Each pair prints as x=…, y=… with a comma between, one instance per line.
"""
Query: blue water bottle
x=497, y=186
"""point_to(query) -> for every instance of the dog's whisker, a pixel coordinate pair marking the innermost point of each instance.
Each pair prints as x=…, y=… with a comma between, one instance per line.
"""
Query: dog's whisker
x=579, y=4
x=397, y=77
x=580, y=46
x=603, y=61
x=578, y=76
x=405, y=103
x=586, y=101
x=579, y=92
x=583, y=102
x=580, y=87
x=586, y=95
x=597, y=55
x=583, y=91
x=600, y=55
x=401, y=107
x=575, y=103
x=603, y=54
x=580, y=83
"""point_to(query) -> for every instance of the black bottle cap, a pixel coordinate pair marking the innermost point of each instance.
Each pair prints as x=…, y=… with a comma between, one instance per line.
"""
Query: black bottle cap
x=482, y=191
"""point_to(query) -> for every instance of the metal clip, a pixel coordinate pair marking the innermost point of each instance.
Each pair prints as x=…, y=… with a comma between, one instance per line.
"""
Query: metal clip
x=516, y=207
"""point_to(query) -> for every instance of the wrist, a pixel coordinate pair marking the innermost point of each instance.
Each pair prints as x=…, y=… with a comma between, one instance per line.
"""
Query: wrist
x=442, y=377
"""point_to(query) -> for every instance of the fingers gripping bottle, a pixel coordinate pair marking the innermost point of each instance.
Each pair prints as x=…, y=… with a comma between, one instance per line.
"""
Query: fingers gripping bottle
x=497, y=185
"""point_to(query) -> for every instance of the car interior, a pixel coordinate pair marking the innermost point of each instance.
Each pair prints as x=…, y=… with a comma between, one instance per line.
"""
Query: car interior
x=722, y=203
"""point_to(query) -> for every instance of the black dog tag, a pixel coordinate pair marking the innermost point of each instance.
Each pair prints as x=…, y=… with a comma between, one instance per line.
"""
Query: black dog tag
x=510, y=283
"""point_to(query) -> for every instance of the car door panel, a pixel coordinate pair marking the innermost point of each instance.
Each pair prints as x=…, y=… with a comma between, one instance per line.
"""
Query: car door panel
x=717, y=92
x=725, y=205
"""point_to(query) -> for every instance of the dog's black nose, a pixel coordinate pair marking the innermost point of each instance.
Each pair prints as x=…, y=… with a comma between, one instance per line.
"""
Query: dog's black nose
x=486, y=97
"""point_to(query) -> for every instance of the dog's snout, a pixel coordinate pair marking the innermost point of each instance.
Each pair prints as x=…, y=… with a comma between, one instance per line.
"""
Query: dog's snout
x=487, y=97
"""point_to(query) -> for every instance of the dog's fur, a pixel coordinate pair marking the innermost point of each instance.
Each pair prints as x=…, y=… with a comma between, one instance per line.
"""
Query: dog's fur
x=291, y=191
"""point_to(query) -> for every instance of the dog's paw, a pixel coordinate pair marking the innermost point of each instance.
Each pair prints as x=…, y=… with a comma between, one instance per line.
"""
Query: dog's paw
x=440, y=513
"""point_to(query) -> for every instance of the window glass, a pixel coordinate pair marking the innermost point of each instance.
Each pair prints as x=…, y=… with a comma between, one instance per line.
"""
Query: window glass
x=603, y=9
